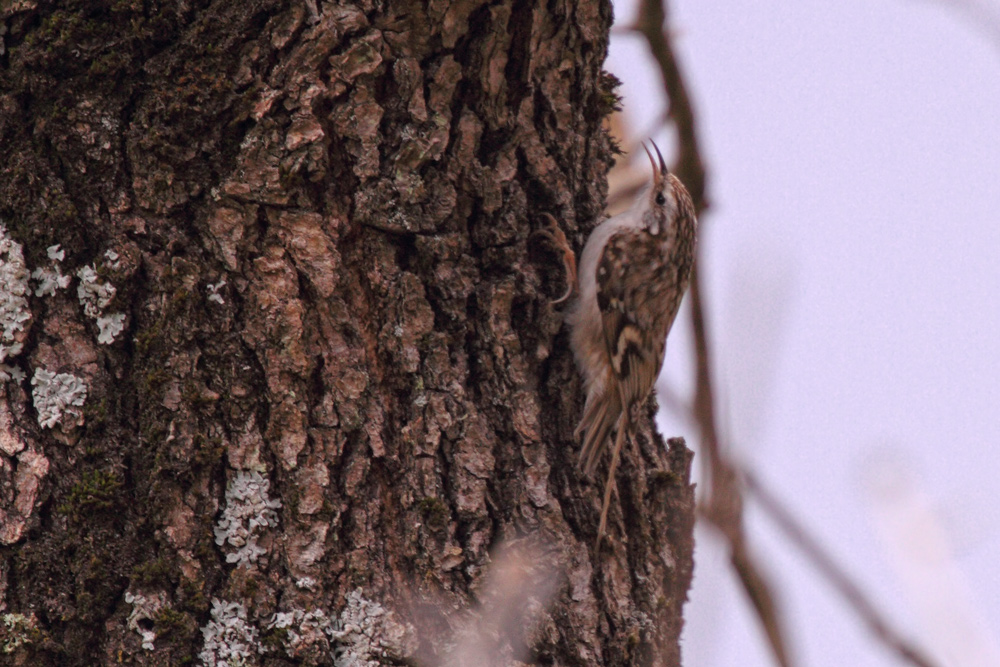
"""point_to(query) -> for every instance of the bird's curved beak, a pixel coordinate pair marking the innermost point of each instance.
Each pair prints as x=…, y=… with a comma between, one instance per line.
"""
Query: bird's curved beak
x=659, y=170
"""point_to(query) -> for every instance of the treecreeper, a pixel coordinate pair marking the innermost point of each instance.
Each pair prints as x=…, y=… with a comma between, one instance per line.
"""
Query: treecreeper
x=633, y=272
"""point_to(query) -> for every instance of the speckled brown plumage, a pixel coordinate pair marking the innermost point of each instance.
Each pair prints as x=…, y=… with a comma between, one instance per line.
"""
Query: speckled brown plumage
x=634, y=271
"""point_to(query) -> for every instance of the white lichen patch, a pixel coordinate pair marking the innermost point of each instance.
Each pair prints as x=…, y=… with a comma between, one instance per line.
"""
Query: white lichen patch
x=213, y=291
x=302, y=630
x=58, y=396
x=366, y=632
x=306, y=584
x=8, y=372
x=229, y=640
x=14, y=312
x=95, y=296
x=51, y=278
x=109, y=326
x=249, y=509
x=144, y=609
x=15, y=631
x=55, y=253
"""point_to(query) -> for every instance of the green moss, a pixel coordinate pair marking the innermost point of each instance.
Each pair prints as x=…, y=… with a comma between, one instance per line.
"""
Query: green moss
x=147, y=337
x=251, y=587
x=179, y=300
x=96, y=491
x=169, y=621
x=96, y=412
x=208, y=451
x=632, y=642
x=435, y=512
x=103, y=270
x=192, y=597
x=153, y=433
x=151, y=573
x=155, y=378
x=610, y=101
x=194, y=396
x=205, y=549
x=275, y=639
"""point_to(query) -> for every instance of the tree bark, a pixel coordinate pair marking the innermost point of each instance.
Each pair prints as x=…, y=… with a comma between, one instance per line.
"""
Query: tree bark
x=339, y=382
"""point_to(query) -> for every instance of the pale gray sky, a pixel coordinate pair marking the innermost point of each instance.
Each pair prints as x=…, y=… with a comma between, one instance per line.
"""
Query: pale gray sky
x=853, y=269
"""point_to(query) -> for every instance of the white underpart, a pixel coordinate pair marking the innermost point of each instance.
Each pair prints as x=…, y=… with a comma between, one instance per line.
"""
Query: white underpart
x=584, y=318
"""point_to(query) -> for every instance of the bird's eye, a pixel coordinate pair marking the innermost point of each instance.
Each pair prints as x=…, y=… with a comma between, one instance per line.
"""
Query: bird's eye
x=660, y=199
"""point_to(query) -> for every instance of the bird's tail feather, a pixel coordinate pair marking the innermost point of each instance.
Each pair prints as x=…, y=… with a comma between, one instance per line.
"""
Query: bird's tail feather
x=610, y=483
x=599, y=416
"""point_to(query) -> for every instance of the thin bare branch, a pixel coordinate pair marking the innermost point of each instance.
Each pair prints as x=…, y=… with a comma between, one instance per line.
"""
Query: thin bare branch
x=850, y=591
x=983, y=15
x=690, y=167
x=724, y=509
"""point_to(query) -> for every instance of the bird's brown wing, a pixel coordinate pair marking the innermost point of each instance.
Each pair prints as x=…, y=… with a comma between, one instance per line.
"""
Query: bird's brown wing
x=635, y=358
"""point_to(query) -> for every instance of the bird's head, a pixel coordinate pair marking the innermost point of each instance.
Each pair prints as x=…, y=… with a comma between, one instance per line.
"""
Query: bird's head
x=661, y=203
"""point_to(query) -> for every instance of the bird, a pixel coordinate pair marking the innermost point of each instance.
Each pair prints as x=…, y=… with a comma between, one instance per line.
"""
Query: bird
x=632, y=275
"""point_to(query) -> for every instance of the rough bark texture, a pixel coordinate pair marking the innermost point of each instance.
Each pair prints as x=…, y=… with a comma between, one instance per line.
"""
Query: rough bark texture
x=319, y=219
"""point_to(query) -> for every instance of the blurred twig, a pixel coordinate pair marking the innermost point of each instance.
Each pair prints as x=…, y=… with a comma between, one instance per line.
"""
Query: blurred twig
x=518, y=589
x=854, y=596
x=724, y=509
x=981, y=14
x=690, y=167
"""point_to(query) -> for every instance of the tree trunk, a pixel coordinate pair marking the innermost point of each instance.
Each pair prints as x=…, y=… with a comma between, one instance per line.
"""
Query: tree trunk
x=293, y=372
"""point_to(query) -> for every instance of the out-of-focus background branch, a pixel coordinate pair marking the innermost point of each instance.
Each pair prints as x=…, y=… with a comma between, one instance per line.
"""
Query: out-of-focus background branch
x=724, y=506
x=984, y=15
x=729, y=486
x=850, y=591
